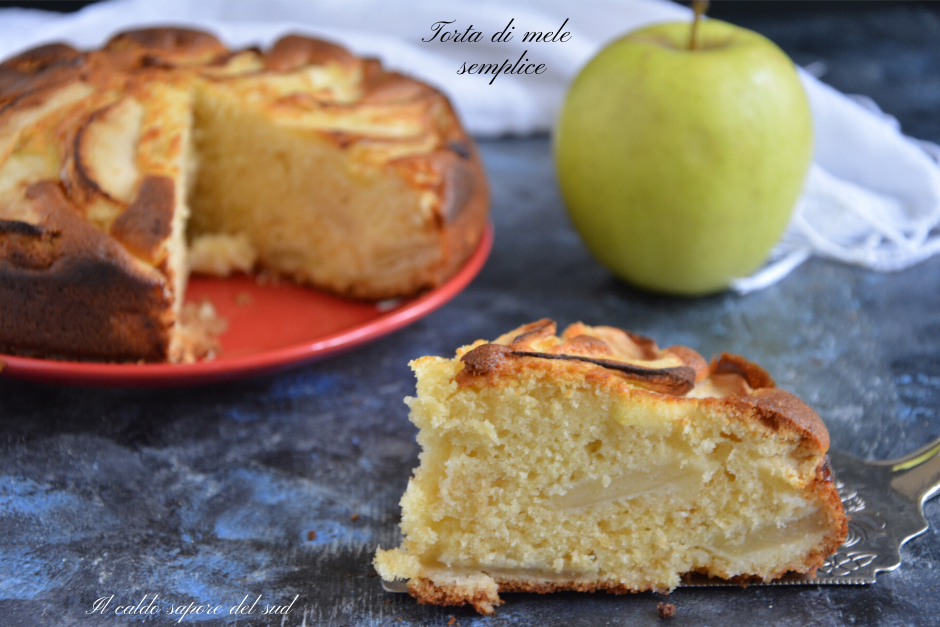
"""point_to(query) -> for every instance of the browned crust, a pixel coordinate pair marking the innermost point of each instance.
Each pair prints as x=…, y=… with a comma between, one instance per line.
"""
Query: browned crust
x=75, y=292
x=751, y=392
x=383, y=87
x=824, y=487
x=782, y=411
x=541, y=587
x=692, y=359
x=462, y=217
x=168, y=44
x=494, y=359
x=647, y=345
x=295, y=51
x=148, y=221
x=755, y=376
x=534, y=331
x=40, y=58
x=427, y=593
x=584, y=345
x=16, y=88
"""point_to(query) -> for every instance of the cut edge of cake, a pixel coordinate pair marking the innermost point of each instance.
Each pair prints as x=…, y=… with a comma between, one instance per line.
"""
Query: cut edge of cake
x=611, y=431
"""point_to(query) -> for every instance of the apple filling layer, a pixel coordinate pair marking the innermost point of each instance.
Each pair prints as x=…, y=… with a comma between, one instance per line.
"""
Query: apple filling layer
x=669, y=480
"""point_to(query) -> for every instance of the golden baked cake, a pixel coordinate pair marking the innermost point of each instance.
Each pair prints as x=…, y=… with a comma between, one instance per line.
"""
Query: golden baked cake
x=302, y=160
x=598, y=461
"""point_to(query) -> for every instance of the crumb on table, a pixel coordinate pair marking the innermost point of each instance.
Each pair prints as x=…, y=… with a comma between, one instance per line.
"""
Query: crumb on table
x=665, y=609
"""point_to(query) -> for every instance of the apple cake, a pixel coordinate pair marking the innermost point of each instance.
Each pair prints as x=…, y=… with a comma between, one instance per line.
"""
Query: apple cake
x=598, y=461
x=123, y=168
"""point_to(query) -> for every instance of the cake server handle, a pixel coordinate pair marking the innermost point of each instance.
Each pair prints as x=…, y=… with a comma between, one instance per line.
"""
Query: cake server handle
x=918, y=474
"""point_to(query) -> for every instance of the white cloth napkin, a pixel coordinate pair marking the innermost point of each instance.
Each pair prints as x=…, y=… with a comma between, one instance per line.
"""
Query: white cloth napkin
x=872, y=196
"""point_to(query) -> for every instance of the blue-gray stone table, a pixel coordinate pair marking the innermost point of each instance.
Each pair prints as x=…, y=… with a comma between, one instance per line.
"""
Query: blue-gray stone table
x=282, y=486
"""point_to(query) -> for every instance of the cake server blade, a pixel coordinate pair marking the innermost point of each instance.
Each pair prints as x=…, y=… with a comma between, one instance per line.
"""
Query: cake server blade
x=885, y=500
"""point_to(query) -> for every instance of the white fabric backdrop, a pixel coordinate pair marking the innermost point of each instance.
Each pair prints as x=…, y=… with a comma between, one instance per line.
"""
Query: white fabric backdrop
x=872, y=196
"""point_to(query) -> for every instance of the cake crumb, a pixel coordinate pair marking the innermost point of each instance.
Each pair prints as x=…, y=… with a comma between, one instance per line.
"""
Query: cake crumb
x=665, y=609
x=387, y=305
x=453, y=619
x=354, y=517
x=267, y=278
x=197, y=328
x=311, y=535
x=221, y=254
x=243, y=299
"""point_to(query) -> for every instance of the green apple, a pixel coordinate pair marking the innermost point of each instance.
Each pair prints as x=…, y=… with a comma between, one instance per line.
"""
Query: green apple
x=680, y=167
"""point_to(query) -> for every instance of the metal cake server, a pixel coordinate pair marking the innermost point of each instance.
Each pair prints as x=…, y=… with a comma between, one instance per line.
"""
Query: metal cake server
x=885, y=500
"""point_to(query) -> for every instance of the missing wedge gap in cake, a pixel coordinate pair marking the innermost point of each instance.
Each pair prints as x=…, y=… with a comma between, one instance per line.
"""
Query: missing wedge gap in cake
x=290, y=199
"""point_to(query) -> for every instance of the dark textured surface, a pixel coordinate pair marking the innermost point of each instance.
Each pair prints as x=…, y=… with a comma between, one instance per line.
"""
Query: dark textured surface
x=207, y=495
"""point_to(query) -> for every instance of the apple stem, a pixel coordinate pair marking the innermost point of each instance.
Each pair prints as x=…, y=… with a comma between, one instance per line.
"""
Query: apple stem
x=699, y=6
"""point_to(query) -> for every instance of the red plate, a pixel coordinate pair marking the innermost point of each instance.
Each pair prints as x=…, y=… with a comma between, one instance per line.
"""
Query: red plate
x=273, y=327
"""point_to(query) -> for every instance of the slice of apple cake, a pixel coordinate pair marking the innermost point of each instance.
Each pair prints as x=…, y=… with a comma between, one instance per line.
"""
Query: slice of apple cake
x=598, y=461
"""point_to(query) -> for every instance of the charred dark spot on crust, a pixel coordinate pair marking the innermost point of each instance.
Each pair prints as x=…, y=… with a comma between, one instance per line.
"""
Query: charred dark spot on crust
x=680, y=379
x=460, y=148
x=15, y=227
x=692, y=359
x=147, y=222
x=489, y=358
x=26, y=245
x=67, y=310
